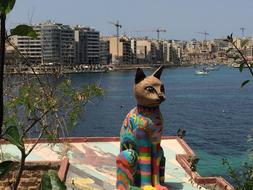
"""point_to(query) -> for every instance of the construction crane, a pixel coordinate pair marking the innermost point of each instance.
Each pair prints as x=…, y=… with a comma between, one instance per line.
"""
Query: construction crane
x=158, y=31
x=242, y=29
x=118, y=26
x=204, y=33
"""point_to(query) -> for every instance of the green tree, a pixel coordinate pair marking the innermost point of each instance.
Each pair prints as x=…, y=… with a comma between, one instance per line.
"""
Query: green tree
x=47, y=104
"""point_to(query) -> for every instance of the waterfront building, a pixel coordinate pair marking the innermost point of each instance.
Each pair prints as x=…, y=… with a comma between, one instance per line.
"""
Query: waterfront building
x=126, y=50
x=158, y=56
x=133, y=50
x=29, y=47
x=176, y=52
x=166, y=51
x=54, y=44
x=221, y=56
x=112, y=40
x=200, y=57
x=87, y=45
x=199, y=52
x=248, y=49
x=249, y=54
x=122, y=51
x=11, y=56
x=116, y=49
x=221, y=44
x=193, y=46
x=172, y=53
x=129, y=50
x=57, y=41
x=104, y=51
x=145, y=51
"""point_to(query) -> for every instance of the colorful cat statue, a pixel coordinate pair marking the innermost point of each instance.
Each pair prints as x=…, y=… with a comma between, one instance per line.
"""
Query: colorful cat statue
x=141, y=163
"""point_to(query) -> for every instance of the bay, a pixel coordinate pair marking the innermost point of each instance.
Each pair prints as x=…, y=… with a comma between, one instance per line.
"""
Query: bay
x=213, y=109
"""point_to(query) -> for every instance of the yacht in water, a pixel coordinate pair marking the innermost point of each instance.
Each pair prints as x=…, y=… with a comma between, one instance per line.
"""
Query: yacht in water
x=201, y=72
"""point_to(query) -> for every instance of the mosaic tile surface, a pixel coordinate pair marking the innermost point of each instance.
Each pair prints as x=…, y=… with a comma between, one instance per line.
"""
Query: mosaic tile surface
x=93, y=166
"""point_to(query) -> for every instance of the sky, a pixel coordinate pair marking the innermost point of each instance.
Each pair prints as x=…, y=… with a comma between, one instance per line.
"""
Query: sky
x=182, y=19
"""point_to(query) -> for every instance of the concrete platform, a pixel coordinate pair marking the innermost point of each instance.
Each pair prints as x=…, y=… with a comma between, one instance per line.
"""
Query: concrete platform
x=93, y=166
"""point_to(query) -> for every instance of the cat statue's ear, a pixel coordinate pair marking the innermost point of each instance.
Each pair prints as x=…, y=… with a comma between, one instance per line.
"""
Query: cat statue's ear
x=158, y=72
x=139, y=76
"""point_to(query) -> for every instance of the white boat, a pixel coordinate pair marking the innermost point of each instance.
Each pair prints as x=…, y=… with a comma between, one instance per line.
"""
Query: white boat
x=201, y=72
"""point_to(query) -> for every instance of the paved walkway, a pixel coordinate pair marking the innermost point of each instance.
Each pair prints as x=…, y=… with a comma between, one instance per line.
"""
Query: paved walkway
x=92, y=164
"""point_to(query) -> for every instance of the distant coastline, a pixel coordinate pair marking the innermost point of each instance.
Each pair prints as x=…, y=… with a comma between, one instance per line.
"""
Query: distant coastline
x=68, y=69
x=147, y=66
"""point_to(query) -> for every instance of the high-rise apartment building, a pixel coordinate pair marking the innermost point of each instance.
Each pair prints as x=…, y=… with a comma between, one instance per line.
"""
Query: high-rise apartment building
x=86, y=45
x=159, y=54
x=104, y=51
x=29, y=47
x=116, y=49
x=54, y=44
x=126, y=48
x=133, y=50
x=145, y=51
x=166, y=52
x=122, y=52
x=172, y=52
x=57, y=41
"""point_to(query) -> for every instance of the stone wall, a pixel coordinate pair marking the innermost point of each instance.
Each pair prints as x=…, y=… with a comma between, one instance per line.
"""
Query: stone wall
x=31, y=176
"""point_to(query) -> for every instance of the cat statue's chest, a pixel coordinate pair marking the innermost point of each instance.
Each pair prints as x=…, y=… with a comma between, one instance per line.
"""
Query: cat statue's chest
x=149, y=119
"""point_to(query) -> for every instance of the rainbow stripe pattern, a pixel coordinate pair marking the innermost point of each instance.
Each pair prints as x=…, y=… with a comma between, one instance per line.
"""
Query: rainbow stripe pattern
x=141, y=162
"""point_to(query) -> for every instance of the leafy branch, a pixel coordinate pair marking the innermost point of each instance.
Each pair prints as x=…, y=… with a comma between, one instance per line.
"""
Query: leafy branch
x=244, y=62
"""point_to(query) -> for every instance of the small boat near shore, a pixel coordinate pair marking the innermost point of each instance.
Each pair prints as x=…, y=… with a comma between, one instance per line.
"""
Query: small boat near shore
x=201, y=72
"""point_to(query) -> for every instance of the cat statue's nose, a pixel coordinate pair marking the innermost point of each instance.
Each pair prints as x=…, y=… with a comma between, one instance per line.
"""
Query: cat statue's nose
x=162, y=98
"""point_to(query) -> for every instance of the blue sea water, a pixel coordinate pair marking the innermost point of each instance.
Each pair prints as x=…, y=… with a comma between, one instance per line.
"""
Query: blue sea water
x=213, y=109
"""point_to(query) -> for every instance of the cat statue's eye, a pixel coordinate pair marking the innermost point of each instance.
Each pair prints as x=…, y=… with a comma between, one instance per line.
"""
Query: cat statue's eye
x=150, y=89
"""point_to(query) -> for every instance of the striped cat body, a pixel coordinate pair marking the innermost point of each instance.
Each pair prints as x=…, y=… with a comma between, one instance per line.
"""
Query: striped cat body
x=140, y=163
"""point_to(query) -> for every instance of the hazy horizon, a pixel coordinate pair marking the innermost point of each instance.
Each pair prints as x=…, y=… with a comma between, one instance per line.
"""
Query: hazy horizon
x=182, y=19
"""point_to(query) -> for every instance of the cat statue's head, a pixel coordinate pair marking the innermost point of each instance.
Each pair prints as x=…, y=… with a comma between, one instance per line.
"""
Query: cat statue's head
x=149, y=90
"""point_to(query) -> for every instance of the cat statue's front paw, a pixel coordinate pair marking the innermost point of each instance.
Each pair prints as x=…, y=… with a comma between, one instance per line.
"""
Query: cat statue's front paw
x=160, y=187
x=134, y=188
x=148, y=187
